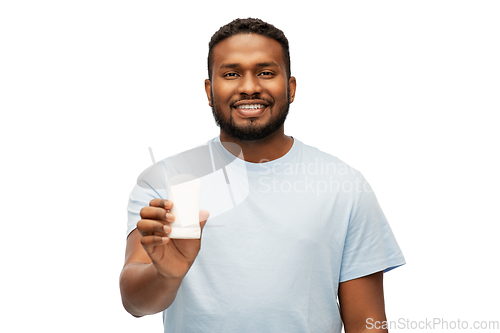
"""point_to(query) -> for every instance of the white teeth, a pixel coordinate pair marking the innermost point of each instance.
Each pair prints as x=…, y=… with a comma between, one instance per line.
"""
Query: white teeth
x=250, y=106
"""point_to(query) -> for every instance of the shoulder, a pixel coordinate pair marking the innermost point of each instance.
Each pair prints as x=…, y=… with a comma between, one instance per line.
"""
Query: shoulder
x=326, y=163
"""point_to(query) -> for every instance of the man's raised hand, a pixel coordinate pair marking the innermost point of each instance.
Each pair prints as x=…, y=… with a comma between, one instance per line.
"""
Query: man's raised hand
x=171, y=257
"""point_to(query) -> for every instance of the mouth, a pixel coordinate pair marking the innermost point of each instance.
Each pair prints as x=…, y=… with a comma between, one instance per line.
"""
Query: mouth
x=248, y=109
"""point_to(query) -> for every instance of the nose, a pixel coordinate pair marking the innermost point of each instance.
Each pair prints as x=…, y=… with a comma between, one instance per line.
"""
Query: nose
x=249, y=85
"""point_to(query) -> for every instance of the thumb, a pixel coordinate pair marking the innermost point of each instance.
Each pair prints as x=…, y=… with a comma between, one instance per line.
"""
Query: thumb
x=204, y=214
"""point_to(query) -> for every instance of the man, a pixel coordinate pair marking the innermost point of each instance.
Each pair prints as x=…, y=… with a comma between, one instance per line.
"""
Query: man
x=309, y=231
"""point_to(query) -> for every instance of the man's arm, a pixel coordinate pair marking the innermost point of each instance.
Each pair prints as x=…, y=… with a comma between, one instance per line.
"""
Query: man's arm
x=144, y=291
x=155, y=264
x=362, y=304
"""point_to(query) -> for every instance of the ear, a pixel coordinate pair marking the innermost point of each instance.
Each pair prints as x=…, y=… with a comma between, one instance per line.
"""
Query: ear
x=292, y=85
x=208, y=89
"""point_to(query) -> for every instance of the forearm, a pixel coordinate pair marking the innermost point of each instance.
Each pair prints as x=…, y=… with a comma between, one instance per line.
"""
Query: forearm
x=144, y=291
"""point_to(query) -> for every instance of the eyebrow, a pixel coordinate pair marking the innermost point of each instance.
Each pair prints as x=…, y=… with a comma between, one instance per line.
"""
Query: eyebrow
x=260, y=64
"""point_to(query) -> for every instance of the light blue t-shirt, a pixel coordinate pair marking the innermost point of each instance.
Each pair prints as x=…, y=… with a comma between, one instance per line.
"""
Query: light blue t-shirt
x=281, y=237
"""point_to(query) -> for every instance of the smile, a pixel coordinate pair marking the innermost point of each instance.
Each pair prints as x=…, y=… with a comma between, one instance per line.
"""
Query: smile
x=250, y=110
x=251, y=106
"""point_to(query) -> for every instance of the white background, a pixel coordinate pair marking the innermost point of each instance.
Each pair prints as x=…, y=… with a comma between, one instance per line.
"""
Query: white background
x=407, y=92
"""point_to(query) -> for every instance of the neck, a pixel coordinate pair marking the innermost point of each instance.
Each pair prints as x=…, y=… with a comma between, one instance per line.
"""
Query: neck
x=274, y=146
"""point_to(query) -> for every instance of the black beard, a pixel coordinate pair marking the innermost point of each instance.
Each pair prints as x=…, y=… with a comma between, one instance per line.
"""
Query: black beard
x=250, y=132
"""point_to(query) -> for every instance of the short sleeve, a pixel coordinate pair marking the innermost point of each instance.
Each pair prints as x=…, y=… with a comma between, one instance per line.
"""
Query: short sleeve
x=151, y=184
x=370, y=245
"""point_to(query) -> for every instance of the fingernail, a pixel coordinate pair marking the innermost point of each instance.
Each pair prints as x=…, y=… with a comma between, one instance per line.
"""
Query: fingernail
x=167, y=229
x=170, y=217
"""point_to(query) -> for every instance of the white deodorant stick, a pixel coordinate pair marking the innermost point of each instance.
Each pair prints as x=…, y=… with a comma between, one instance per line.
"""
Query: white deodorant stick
x=184, y=191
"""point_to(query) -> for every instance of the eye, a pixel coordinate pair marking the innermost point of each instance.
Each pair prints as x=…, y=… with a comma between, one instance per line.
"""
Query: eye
x=230, y=75
x=266, y=74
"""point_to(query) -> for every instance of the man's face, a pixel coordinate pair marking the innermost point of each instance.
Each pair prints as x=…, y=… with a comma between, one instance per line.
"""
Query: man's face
x=250, y=93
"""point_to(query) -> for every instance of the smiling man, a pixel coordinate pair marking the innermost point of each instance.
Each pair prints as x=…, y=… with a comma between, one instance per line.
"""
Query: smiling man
x=304, y=252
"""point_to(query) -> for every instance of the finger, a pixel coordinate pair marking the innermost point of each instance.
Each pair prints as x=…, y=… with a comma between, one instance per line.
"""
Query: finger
x=161, y=203
x=149, y=242
x=152, y=227
x=156, y=213
x=204, y=214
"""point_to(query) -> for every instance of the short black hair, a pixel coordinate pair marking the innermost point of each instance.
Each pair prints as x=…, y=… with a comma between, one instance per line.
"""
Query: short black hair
x=249, y=25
